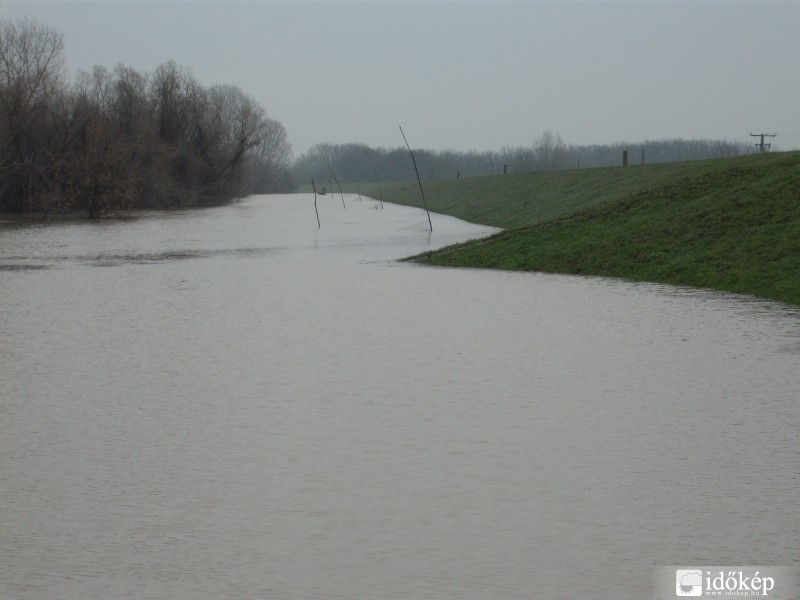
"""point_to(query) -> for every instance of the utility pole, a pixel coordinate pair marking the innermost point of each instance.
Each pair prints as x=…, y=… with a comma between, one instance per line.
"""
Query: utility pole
x=762, y=147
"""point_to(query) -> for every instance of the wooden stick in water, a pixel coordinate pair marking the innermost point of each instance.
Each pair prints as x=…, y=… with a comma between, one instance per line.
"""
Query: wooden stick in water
x=425, y=204
x=358, y=190
x=319, y=225
x=340, y=188
x=379, y=186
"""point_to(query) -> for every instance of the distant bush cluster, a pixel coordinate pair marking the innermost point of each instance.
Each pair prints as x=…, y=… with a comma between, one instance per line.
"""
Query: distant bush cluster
x=358, y=162
x=124, y=139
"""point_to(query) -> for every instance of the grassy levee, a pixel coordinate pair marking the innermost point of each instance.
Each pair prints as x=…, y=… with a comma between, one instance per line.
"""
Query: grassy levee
x=518, y=200
x=730, y=224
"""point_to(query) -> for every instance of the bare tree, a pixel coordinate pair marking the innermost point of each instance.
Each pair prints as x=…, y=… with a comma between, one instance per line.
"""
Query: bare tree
x=272, y=159
x=129, y=105
x=548, y=151
x=172, y=89
x=274, y=148
x=245, y=127
x=31, y=77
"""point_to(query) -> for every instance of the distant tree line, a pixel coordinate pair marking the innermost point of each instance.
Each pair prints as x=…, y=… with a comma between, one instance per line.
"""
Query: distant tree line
x=359, y=162
x=125, y=139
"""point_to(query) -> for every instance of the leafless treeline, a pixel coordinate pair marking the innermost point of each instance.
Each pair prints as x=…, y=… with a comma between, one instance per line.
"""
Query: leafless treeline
x=124, y=139
x=547, y=153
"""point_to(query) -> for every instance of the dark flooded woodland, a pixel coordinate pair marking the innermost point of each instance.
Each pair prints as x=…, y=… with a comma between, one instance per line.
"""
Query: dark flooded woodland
x=236, y=403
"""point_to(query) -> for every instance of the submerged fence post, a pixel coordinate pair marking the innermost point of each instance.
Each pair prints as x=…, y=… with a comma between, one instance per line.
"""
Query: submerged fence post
x=424, y=203
x=316, y=210
x=358, y=190
x=340, y=188
x=380, y=192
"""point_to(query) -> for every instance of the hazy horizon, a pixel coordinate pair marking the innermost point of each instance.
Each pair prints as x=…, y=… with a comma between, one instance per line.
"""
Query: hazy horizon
x=465, y=75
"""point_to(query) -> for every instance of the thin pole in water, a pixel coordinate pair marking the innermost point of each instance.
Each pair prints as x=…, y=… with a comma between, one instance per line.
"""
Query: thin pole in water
x=425, y=204
x=358, y=190
x=319, y=225
x=340, y=188
x=379, y=186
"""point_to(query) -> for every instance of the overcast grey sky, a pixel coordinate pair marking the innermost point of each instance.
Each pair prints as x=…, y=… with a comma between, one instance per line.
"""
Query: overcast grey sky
x=466, y=75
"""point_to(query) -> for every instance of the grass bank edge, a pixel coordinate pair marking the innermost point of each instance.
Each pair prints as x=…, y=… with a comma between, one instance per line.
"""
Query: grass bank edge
x=728, y=224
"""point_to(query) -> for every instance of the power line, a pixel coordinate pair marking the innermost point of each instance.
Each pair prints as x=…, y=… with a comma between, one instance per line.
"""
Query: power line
x=762, y=147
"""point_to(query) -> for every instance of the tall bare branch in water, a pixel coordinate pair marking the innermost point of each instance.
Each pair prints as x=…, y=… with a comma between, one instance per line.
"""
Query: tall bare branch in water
x=340, y=188
x=424, y=203
x=379, y=185
x=358, y=190
x=319, y=225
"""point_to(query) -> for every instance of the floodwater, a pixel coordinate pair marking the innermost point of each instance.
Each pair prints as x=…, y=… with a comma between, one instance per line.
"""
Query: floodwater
x=231, y=403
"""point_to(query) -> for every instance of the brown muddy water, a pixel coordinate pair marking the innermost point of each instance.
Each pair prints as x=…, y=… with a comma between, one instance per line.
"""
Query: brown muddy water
x=231, y=403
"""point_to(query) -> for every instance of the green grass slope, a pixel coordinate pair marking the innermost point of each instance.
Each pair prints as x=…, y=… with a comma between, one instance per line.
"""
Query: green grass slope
x=516, y=200
x=727, y=224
